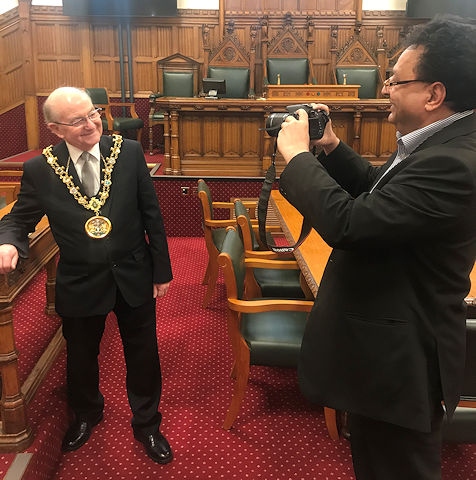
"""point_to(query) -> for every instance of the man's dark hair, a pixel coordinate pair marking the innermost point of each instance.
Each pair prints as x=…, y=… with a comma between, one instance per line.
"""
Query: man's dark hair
x=449, y=57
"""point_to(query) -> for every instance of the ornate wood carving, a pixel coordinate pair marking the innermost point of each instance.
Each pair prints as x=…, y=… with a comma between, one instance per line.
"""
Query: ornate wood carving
x=230, y=52
x=287, y=43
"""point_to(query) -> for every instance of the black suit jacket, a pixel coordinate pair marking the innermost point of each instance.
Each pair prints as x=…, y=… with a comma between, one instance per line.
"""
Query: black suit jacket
x=132, y=257
x=386, y=337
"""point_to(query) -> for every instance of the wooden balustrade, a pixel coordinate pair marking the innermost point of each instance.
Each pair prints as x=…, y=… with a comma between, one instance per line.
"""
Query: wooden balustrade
x=15, y=431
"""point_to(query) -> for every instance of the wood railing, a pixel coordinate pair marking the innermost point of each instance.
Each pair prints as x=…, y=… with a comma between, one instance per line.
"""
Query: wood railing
x=15, y=430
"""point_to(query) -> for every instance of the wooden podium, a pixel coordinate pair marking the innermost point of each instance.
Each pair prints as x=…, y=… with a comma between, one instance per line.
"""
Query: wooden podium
x=312, y=93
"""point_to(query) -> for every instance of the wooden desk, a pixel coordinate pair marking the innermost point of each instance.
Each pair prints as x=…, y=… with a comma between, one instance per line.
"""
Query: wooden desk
x=226, y=137
x=312, y=93
x=16, y=434
x=313, y=254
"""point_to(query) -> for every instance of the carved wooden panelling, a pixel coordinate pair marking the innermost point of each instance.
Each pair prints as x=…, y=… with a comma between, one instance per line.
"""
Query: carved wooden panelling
x=11, y=67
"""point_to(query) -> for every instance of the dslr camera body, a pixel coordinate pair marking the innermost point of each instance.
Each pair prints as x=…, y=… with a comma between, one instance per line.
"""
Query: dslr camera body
x=317, y=120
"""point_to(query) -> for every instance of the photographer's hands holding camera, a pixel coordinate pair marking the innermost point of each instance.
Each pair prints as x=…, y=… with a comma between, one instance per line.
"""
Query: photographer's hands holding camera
x=293, y=137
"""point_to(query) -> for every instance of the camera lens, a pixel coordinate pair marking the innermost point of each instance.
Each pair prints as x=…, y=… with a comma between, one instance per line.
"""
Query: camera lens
x=273, y=123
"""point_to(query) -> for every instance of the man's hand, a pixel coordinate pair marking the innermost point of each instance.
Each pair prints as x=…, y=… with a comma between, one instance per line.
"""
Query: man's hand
x=8, y=258
x=160, y=289
x=293, y=138
x=329, y=140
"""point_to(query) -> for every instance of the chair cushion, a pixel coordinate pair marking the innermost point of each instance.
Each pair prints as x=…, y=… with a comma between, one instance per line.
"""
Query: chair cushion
x=127, y=123
x=237, y=80
x=274, y=338
x=178, y=84
x=279, y=283
x=292, y=71
x=366, y=77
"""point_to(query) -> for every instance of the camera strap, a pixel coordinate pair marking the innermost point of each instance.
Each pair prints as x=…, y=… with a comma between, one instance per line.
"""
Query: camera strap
x=263, y=201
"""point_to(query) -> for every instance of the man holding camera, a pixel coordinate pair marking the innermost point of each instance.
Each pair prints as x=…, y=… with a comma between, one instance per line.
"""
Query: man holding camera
x=386, y=338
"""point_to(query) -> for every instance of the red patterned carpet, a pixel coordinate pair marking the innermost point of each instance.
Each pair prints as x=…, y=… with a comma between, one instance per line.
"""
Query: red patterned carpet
x=278, y=435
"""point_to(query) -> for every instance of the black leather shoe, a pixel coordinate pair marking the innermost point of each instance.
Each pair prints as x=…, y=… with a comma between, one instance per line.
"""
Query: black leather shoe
x=79, y=432
x=156, y=446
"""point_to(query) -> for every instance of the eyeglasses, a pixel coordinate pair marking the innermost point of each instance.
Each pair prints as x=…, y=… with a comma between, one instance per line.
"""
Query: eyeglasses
x=80, y=122
x=387, y=83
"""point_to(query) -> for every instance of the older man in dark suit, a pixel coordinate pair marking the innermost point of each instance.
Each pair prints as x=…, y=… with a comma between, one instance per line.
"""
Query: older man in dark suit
x=386, y=338
x=105, y=217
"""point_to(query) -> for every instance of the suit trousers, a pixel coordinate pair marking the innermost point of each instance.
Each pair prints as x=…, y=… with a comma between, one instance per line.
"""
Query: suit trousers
x=382, y=451
x=137, y=327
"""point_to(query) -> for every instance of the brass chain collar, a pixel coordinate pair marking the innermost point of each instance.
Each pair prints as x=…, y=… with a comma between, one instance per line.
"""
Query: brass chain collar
x=93, y=203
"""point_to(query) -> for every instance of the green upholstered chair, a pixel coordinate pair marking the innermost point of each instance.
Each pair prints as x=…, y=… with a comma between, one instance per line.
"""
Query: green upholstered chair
x=261, y=331
x=214, y=230
x=291, y=71
x=366, y=77
x=237, y=80
x=264, y=282
x=175, y=84
x=113, y=120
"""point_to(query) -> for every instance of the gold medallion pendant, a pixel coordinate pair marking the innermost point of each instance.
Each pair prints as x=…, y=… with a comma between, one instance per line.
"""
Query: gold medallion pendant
x=98, y=226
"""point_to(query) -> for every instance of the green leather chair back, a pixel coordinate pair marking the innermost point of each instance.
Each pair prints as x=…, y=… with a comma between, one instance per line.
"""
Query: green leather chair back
x=240, y=209
x=366, y=77
x=178, y=84
x=98, y=95
x=237, y=80
x=203, y=187
x=292, y=71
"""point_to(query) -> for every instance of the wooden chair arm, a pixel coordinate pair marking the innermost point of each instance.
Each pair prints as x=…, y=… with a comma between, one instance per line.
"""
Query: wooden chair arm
x=269, y=228
x=271, y=263
x=130, y=105
x=231, y=207
x=251, y=206
x=220, y=223
x=269, y=255
x=106, y=108
x=226, y=205
x=259, y=306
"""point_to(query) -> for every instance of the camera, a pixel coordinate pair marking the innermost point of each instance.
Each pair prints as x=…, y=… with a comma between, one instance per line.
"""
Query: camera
x=317, y=120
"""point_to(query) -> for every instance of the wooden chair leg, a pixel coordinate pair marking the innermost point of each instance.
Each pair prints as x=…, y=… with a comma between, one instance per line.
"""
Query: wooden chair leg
x=206, y=277
x=330, y=416
x=242, y=369
x=233, y=371
x=212, y=260
x=212, y=280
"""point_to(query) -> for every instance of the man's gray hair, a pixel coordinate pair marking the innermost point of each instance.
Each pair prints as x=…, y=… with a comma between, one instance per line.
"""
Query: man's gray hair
x=63, y=93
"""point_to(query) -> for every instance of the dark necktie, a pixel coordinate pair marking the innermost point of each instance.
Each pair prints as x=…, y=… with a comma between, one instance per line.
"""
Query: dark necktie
x=87, y=175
